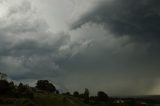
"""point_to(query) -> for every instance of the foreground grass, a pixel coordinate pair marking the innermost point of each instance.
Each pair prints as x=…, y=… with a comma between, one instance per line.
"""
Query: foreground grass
x=55, y=100
x=42, y=99
x=6, y=101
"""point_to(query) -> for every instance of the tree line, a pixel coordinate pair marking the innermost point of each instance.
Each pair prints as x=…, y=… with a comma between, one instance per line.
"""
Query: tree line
x=44, y=86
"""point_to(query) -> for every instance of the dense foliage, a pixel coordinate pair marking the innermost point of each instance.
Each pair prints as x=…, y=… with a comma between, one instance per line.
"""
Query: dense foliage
x=45, y=85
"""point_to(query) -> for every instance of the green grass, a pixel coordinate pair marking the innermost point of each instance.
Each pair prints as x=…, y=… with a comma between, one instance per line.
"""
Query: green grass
x=42, y=99
x=55, y=100
x=4, y=101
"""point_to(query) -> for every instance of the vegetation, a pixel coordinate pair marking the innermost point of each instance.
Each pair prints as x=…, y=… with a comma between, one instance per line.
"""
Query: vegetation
x=46, y=86
x=46, y=94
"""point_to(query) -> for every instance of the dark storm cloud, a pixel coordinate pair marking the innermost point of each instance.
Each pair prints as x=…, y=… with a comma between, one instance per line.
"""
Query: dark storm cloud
x=137, y=57
x=136, y=18
x=139, y=20
x=103, y=47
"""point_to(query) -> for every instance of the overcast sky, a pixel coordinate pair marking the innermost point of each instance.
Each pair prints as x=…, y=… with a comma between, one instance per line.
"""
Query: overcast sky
x=109, y=45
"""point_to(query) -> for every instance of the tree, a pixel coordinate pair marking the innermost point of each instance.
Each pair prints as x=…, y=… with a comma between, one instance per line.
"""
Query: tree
x=67, y=93
x=4, y=86
x=76, y=94
x=24, y=91
x=11, y=85
x=86, y=96
x=57, y=92
x=45, y=85
x=3, y=76
x=22, y=88
x=102, y=96
x=86, y=93
x=12, y=89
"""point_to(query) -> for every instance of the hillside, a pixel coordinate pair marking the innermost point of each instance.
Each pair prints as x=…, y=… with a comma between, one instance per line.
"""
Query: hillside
x=42, y=99
x=46, y=94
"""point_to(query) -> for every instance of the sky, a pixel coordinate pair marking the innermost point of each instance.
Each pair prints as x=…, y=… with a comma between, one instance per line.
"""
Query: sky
x=102, y=45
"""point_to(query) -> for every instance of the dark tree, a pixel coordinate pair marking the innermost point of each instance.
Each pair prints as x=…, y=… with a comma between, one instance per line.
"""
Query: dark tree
x=86, y=93
x=11, y=85
x=4, y=86
x=3, y=76
x=76, y=94
x=24, y=91
x=22, y=88
x=86, y=96
x=57, y=92
x=12, y=89
x=102, y=96
x=67, y=93
x=45, y=85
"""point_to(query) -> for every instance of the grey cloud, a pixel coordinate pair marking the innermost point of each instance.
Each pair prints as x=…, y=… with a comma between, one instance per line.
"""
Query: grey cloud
x=113, y=84
x=136, y=18
x=138, y=21
x=108, y=60
x=92, y=52
x=27, y=49
x=24, y=7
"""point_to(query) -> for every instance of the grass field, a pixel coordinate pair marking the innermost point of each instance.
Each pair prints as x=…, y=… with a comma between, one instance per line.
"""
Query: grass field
x=42, y=99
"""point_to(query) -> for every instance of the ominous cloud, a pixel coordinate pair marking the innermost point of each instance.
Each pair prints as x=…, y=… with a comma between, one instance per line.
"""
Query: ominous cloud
x=138, y=21
x=113, y=46
x=137, y=18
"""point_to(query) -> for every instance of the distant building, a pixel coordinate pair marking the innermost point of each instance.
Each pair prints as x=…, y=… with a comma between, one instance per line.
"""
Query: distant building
x=118, y=102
